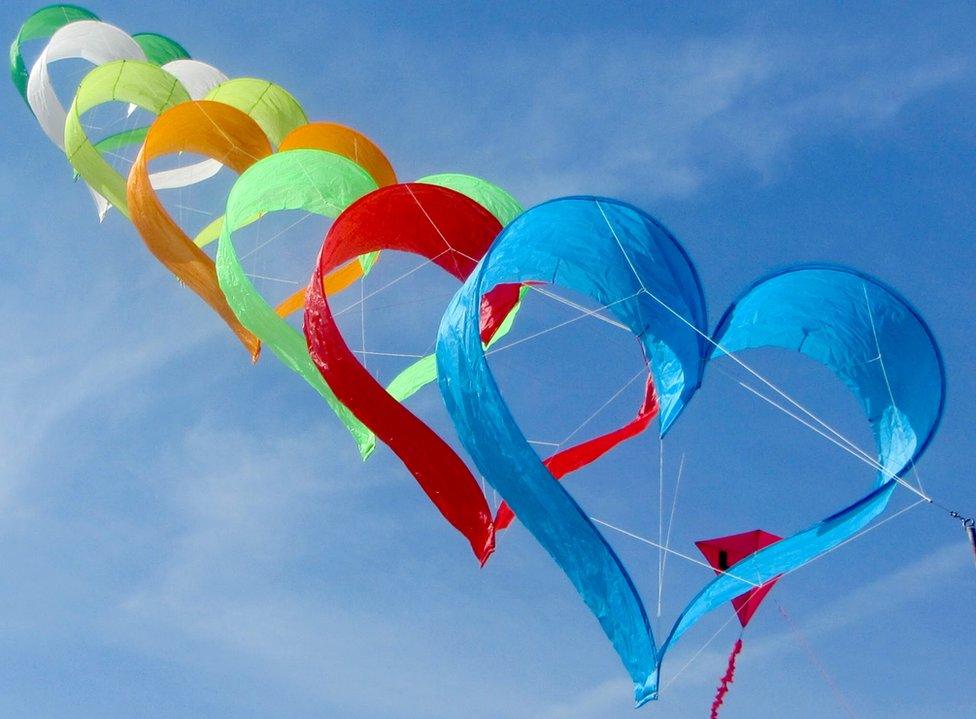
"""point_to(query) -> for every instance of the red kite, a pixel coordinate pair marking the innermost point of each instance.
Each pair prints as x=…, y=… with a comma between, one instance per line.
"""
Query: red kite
x=723, y=553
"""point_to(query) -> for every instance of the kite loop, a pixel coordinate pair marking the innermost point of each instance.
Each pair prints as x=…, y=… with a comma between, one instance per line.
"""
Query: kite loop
x=970, y=524
x=967, y=522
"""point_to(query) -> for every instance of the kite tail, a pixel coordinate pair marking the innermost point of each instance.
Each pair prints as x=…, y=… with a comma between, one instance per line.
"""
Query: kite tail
x=723, y=687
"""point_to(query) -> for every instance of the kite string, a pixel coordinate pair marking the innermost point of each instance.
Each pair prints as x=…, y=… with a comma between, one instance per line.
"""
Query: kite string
x=389, y=284
x=576, y=306
x=432, y=223
x=735, y=359
x=196, y=209
x=802, y=421
x=273, y=279
x=702, y=649
x=838, y=438
x=621, y=247
x=860, y=534
x=393, y=354
x=219, y=128
x=674, y=506
x=276, y=235
x=362, y=316
x=418, y=301
x=660, y=525
x=815, y=660
x=584, y=315
x=884, y=374
x=851, y=447
x=856, y=536
x=854, y=447
x=673, y=551
x=602, y=407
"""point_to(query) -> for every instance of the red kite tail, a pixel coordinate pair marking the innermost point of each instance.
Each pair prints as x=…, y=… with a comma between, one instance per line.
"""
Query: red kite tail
x=723, y=687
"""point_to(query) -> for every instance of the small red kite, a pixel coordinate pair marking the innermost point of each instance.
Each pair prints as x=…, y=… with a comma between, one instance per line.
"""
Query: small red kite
x=723, y=553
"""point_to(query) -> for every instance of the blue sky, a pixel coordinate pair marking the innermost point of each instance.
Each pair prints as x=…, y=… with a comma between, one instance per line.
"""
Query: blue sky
x=184, y=534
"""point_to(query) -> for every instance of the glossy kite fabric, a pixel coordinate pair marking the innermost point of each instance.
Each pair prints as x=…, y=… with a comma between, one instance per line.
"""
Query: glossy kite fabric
x=825, y=313
x=453, y=232
x=723, y=552
x=866, y=333
x=41, y=25
x=197, y=78
x=883, y=352
x=320, y=183
x=147, y=86
x=90, y=40
x=274, y=108
x=99, y=43
x=160, y=49
x=217, y=130
x=493, y=198
x=214, y=130
x=623, y=259
x=881, y=349
x=349, y=143
x=94, y=41
x=155, y=90
x=500, y=312
x=227, y=135
x=345, y=141
x=441, y=225
x=341, y=140
x=329, y=137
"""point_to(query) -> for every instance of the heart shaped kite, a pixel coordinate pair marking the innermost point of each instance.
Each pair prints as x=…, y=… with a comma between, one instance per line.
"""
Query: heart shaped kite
x=452, y=231
x=851, y=323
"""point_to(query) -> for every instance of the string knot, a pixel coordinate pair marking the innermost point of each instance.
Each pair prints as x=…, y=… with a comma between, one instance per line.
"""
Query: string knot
x=966, y=521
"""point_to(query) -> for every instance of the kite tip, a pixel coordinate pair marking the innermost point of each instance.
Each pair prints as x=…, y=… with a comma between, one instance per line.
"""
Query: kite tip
x=646, y=691
x=484, y=554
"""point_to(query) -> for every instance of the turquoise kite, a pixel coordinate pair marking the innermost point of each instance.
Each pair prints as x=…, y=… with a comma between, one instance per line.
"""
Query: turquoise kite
x=864, y=332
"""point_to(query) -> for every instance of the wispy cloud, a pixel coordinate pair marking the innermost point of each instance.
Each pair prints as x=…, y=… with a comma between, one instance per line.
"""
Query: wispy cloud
x=675, y=117
x=654, y=115
x=598, y=701
x=66, y=370
x=242, y=509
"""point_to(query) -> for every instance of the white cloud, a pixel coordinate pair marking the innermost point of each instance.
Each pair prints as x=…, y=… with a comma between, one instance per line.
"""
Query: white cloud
x=598, y=701
x=658, y=117
x=223, y=596
x=674, y=118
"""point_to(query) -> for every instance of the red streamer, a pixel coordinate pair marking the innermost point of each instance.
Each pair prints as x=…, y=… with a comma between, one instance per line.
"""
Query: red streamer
x=571, y=459
x=723, y=687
